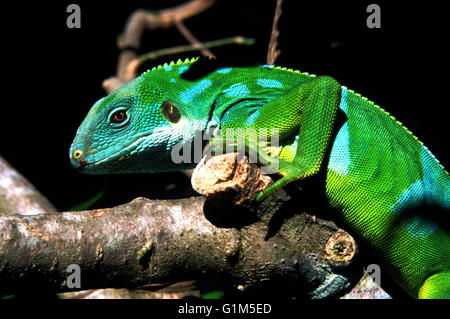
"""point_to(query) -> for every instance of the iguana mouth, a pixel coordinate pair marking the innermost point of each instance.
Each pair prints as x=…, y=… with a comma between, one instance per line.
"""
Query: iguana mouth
x=83, y=163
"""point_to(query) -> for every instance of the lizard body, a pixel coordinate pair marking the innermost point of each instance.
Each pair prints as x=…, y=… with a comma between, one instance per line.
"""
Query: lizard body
x=384, y=182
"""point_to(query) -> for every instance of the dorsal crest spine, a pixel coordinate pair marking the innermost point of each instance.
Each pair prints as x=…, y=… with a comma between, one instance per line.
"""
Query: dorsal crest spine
x=179, y=62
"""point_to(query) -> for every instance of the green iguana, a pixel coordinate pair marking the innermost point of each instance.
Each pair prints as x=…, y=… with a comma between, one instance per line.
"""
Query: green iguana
x=384, y=182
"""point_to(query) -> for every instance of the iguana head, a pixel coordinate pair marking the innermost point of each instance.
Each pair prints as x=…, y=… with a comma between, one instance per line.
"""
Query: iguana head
x=135, y=128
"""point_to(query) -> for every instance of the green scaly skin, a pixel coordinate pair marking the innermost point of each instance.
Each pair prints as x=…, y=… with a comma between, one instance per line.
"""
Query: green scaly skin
x=384, y=182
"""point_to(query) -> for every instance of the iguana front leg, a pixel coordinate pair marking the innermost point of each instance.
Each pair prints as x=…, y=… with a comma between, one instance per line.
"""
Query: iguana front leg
x=308, y=110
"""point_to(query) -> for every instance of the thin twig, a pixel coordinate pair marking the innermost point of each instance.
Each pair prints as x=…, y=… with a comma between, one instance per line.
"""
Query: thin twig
x=272, y=52
x=194, y=47
x=193, y=40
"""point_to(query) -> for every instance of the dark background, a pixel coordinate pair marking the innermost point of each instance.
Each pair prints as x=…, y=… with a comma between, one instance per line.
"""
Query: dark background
x=52, y=74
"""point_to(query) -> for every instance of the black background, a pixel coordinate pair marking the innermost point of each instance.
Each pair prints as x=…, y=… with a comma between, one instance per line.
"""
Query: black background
x=52, y=75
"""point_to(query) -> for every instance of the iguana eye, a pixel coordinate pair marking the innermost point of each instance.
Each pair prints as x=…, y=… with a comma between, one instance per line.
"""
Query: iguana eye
x=118, y=117
x=170, y=112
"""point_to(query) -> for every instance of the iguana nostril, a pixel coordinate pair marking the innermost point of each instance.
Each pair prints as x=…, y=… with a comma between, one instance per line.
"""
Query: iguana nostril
x=77, y=154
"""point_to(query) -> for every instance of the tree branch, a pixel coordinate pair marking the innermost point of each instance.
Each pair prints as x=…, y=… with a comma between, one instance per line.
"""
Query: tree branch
x=19, y=196
x=141, y=20
x=148, y=241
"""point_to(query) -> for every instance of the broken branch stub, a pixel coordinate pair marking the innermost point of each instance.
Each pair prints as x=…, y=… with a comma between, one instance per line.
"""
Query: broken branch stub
x=229, y=179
